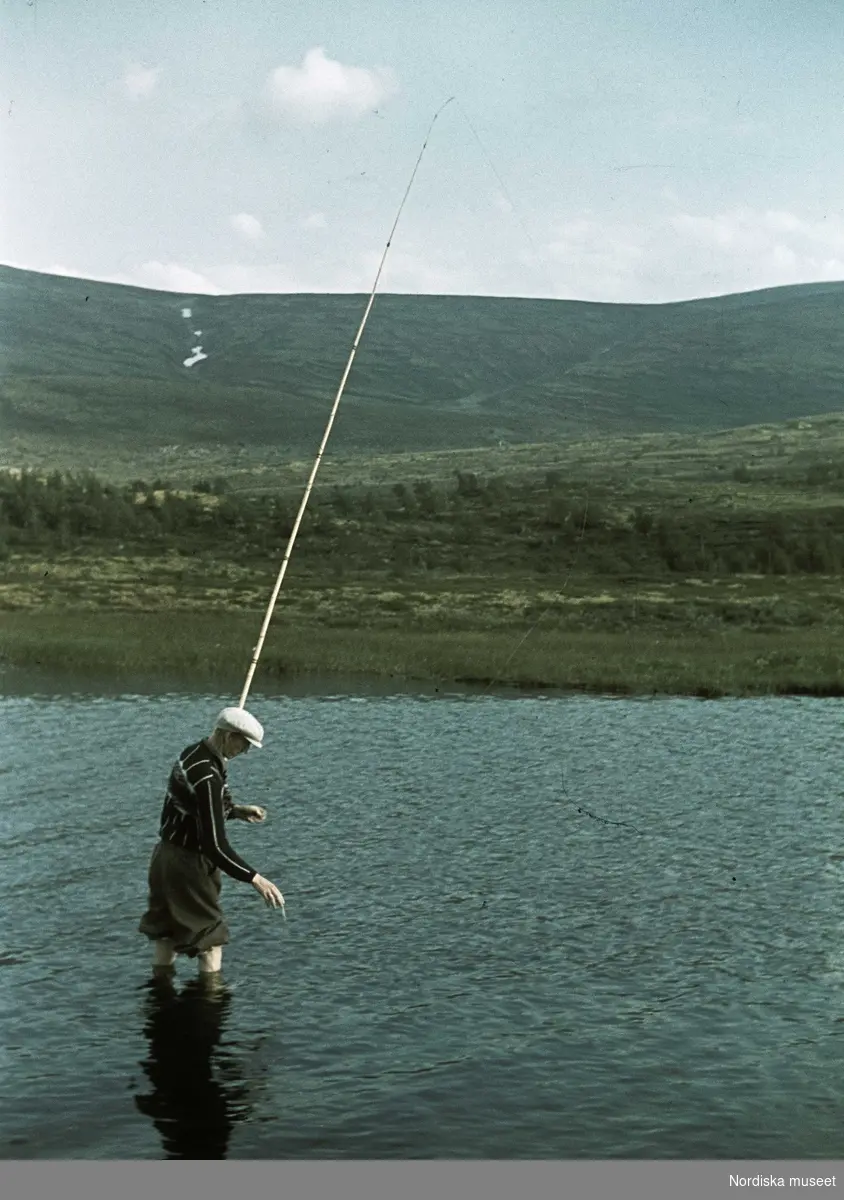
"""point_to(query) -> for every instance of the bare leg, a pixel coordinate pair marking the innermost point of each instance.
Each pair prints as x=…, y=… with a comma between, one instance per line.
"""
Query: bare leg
x=211, y=960
x=164, y=954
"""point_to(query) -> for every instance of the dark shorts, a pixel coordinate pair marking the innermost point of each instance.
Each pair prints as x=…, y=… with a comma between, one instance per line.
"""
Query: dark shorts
x=184, y=900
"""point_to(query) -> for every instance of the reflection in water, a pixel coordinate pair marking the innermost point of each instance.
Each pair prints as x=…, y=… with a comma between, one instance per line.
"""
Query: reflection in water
x=198, y=1093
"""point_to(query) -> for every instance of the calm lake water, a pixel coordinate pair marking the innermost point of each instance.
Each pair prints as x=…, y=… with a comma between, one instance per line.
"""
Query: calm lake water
x=472, y=965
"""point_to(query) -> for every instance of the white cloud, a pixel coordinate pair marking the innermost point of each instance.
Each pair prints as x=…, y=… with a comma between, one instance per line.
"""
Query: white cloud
x=233, y=278
x=750, y=231
x=783, y=222
x=247, y=226
x=784, y=256
x=61, y=269
x=315, y=221
x=167, y=277
x=408, y=270
x=171, y=277
x=686, y=254
x=322, y=89
x=719, y=231
x=755, y=248
x=662, y=257
x=411, y=269
x=596, y=259
x=140, y=81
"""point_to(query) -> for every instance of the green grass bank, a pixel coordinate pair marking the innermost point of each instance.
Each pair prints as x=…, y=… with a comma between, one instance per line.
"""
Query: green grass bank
x=215, y=647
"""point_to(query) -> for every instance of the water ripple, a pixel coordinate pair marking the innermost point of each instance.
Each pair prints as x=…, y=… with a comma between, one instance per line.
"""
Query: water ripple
x=471, y=966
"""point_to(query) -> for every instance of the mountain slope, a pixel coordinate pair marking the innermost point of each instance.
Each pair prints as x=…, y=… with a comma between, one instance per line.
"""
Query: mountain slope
x=100, y=366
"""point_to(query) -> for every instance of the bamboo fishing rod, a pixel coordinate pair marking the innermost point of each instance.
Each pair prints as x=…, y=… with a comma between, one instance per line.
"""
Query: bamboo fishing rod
x=308, y=487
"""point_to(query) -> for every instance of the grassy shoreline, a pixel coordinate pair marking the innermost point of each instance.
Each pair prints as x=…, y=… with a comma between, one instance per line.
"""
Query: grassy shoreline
x=203, y=646
x=687, y=569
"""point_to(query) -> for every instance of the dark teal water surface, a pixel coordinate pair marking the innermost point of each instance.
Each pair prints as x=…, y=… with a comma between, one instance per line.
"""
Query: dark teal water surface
x=476, y=963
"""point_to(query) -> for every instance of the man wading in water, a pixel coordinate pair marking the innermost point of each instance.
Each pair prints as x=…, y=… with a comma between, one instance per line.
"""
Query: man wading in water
x=184, y=915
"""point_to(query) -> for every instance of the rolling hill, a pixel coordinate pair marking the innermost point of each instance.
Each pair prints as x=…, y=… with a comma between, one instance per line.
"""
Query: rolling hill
x=94, y=372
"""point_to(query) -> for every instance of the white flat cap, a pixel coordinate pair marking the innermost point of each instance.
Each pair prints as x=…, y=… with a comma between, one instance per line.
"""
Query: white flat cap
x=238, y=720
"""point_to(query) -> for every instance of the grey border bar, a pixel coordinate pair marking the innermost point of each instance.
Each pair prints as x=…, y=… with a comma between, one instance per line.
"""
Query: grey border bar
x=616, y=1180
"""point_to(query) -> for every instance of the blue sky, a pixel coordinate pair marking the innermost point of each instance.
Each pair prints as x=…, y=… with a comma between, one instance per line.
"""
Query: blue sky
x=619, y=151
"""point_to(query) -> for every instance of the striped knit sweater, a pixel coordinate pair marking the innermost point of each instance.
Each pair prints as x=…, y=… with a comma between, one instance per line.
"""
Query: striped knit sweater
x=196, y=808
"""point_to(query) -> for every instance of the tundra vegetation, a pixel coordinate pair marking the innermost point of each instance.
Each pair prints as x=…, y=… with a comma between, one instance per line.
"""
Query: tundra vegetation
x=702, y=564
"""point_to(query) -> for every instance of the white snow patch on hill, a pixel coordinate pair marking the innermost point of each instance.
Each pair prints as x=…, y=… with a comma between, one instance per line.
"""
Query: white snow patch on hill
x=195, y=357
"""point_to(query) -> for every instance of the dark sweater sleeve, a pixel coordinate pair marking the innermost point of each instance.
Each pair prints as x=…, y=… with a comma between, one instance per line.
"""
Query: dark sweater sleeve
x=213, y=842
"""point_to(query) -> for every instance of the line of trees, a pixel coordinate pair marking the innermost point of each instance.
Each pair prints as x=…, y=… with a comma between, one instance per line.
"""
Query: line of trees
x=466, y=524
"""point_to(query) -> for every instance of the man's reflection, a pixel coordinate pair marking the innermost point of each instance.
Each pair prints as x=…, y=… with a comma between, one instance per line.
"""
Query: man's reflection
x=192, y=1108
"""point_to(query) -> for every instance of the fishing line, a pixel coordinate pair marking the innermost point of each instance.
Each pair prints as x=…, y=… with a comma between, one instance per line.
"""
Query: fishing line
x=580, y=808
x=581, y=533
x=626, y=825
x=586, y=813
x=580, y=536
x=303, y=505
x=504, y=188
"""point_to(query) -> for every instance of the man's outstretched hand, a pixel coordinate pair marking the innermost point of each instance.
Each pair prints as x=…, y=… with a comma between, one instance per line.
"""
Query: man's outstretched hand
x=253, y=813
x=269, y=892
